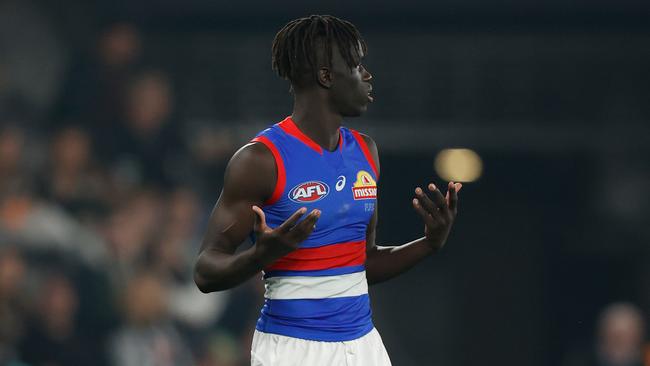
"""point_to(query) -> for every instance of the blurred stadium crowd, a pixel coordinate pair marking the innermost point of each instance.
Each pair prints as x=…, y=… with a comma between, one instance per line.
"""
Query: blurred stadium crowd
x=102, y=203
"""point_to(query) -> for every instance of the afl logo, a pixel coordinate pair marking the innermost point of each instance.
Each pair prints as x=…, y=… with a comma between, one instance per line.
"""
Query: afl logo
x=308, y=192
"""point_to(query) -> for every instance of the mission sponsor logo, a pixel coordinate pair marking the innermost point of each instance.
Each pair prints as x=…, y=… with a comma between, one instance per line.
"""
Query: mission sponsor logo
x=365, y=188
x=308, y=192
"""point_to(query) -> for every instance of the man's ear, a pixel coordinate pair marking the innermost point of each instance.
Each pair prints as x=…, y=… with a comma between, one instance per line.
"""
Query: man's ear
x=324, y=77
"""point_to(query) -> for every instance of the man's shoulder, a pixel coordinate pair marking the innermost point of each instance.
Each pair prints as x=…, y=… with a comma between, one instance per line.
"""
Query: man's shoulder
x=251, y=172
x=370, y=144
x=369, y=141
x=252, y=154
x=366, y=138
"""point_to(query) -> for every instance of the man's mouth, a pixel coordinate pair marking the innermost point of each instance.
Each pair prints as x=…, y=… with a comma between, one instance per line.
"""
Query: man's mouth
x=370, y=98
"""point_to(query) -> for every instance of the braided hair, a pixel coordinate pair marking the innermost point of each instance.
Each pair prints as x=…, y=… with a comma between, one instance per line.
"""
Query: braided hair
x=299, y=45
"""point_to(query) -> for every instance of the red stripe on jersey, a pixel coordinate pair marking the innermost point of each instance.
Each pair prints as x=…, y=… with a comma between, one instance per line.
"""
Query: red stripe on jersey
x=325, y=257
x=282, y=174
x=366, y=151
x=290, y=128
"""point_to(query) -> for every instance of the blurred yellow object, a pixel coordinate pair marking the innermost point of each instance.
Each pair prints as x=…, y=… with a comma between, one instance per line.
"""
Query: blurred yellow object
x=458, y=165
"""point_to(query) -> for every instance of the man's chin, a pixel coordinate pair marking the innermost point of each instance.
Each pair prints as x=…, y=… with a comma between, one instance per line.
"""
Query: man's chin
x=356, y=113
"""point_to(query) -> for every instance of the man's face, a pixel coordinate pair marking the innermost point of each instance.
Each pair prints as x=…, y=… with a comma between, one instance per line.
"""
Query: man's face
x=350, y=87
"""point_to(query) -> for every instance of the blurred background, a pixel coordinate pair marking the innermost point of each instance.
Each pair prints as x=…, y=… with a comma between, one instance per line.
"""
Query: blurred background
x=117, y=119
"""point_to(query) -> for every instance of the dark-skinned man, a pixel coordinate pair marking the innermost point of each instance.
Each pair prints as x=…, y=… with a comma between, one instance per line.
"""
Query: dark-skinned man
x=306, y=189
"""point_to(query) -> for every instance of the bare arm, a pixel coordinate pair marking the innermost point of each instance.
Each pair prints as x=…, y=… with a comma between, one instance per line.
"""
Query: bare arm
x=249, y=180
x=386, y=262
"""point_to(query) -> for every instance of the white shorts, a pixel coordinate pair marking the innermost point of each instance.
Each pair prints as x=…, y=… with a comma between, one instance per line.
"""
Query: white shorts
x=277, y=350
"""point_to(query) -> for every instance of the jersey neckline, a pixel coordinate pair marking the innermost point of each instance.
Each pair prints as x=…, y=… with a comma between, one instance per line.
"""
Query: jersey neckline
x=290, y=127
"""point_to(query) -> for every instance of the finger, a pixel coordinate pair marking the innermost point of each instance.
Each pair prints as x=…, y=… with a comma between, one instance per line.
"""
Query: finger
x=426, y=202
x=449, y=186
x=306, y=226
x=291, y=221
x=303, y=229
x=426, y=217
x=452, y=197
x=437, y=196
x=260, y=220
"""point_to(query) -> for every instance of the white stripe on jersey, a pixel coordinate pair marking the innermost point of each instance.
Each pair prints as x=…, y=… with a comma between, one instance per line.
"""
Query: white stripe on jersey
x=319, y=287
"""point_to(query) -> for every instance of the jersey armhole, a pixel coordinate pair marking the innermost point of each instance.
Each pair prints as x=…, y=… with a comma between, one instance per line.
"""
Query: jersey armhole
x=281, y=180
x=366, y=151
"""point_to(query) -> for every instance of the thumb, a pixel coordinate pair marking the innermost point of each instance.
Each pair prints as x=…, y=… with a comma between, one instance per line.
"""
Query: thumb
x=260, y=220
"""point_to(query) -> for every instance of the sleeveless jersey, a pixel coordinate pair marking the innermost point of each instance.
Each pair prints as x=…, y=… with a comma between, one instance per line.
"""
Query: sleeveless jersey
x=319, y=291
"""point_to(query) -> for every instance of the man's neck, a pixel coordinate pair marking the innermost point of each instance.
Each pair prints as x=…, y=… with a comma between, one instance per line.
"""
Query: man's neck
x=316, y=120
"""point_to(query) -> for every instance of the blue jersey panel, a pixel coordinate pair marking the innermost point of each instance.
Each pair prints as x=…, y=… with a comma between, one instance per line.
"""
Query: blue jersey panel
x=342, y=185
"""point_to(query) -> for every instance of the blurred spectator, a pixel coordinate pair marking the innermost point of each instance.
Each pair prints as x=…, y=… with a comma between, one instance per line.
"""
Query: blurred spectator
x=148, y=337
x=12, y=160
x=94, y=86
x=211, y=147
x=13, y=303
x=32, y=222
x=72, y=180
x=179, y=237
x=620, y=337
x=120, y=46
x=52, y=338
x=621, y=334
x=146, y=147
x=41, y=226
x=129, y=232
x=173, y=255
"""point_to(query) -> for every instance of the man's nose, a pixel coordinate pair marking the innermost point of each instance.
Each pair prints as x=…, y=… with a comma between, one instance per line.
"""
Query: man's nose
x=367, y=76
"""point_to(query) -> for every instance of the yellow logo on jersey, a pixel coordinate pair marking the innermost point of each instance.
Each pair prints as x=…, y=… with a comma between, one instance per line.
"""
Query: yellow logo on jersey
x=365, y=187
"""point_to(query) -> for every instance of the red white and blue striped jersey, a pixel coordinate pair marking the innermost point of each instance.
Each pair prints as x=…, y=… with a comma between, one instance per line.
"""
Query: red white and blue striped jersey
x=319, y=291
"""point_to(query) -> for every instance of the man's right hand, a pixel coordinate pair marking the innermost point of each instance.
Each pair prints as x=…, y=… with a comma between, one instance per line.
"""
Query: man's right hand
x=273, y=244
